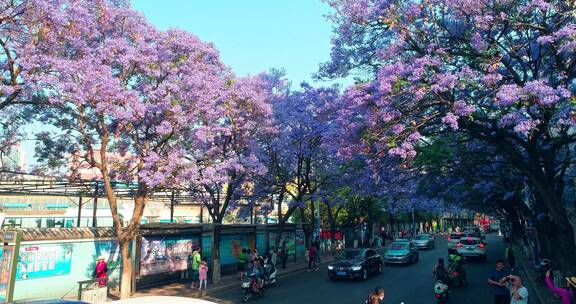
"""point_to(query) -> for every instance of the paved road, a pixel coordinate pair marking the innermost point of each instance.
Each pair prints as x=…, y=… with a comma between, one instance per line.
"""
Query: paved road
x=411, y=284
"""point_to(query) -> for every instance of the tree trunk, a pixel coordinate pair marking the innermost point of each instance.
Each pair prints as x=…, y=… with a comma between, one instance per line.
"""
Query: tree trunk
x=216, y=252
x=559, y=232
x=126, y=276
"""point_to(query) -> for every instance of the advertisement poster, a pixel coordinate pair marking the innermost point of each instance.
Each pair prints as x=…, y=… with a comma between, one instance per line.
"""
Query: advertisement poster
x=166, y=254
x=300, y=243
x=6, y=254
x=110, y=251
x=40, y=261
x=231, y=247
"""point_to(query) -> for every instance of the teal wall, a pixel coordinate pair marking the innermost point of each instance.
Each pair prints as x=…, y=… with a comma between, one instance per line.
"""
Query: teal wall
x=84, y=256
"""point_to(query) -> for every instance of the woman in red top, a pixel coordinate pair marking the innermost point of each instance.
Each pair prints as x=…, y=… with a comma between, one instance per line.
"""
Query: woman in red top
x=101, y=272
x=312, y=257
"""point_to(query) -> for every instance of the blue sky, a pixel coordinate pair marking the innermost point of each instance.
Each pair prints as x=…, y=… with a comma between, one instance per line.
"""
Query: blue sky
x=253, y=35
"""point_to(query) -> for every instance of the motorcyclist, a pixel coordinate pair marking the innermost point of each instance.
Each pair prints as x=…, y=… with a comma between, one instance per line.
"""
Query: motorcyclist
x=440, y=272
x=456, y=265
x=258, y=272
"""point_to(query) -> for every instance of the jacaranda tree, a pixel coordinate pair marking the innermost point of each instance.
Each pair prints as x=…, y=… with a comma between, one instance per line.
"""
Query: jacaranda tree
x=225, y=135
x=123, y=96
x=500, y=71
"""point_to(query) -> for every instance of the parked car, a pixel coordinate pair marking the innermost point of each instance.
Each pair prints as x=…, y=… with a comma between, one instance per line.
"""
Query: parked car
x=472, y=247
x=355, y=264
x=424, y=241
x=453, y=240
x=401, y=253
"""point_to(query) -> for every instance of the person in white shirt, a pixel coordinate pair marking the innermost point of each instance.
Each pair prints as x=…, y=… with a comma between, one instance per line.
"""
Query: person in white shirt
x=518, y=293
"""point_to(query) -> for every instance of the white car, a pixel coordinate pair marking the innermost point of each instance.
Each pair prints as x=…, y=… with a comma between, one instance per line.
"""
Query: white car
x=163, y=300
x=472, y=247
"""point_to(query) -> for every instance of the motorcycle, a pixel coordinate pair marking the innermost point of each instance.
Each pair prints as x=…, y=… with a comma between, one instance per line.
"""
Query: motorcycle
x=542, y=268
x=441, y=292
x=248, y=286
x=456, y=271
x=270, y=277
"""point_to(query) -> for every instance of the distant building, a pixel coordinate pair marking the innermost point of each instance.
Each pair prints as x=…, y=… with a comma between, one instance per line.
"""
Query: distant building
x=14, y=159
x=79, y=168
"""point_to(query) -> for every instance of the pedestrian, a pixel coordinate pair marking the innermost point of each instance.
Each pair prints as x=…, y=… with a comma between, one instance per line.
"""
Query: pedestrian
x=250, y=255
x=509, y=254
x=242, y=260
x=329, y=245
x=101, y=271
x=377, y=296
x=284, y=254
x=196, y=260
x=317, y=245
x=312, y=257
x=273, y=256
x=518, y=293
x=203, y=275
x=568, y=294
x=499, y=290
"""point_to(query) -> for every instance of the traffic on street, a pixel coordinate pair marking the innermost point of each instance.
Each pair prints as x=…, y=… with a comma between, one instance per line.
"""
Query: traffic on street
x=409, y=283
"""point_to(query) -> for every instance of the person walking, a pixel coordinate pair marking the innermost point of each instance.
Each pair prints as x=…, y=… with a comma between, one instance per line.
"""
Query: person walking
x=203, y=275
x=273, y=256
x=242, y=260
x=284, y=254
x=196, y=260
x=312, y=257
x=567, y=295
x=499, y=290
x=509, y=254
x=317, y=245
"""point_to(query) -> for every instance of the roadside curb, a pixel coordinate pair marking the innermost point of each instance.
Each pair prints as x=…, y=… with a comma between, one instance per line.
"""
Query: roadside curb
x=233, y=285
x=530, y=279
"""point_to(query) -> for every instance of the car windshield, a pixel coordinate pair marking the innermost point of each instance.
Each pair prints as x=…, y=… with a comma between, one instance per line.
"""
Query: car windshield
x=456, y=236
x=349, y=254
x=469, y=242
x=398, y=246
x=422, y=237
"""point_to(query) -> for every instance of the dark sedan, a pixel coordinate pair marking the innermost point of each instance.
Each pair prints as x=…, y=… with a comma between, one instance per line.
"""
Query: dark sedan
x=355, y=264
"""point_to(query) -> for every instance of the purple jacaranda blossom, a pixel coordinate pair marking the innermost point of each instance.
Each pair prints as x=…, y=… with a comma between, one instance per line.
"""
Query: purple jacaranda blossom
x=451, y=120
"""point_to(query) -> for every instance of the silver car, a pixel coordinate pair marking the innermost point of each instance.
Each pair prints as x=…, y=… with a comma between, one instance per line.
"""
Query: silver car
x=472, y=247
x=400, y=252
x=424, y=241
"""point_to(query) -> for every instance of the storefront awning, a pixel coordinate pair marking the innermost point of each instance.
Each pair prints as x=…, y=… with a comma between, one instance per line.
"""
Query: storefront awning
x=17, y=205
x=57, y=206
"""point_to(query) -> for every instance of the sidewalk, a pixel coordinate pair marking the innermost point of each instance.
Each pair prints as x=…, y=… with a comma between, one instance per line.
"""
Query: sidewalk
x=227, y=282
x=539, y=293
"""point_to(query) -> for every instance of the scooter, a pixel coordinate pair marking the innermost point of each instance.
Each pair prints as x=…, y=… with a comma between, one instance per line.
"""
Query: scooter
x=441, y=292
x=456, y=271
x=270, y=274
x=248, y=287
x=542, y=268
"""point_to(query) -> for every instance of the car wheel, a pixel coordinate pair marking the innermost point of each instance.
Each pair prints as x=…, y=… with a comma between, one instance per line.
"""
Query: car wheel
x=364, y=275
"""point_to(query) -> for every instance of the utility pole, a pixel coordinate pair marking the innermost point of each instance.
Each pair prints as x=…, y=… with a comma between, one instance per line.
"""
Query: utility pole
x=413, y=223
x=172, y=207
x=318, y=220
x=94, y=217
x=79, y=209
